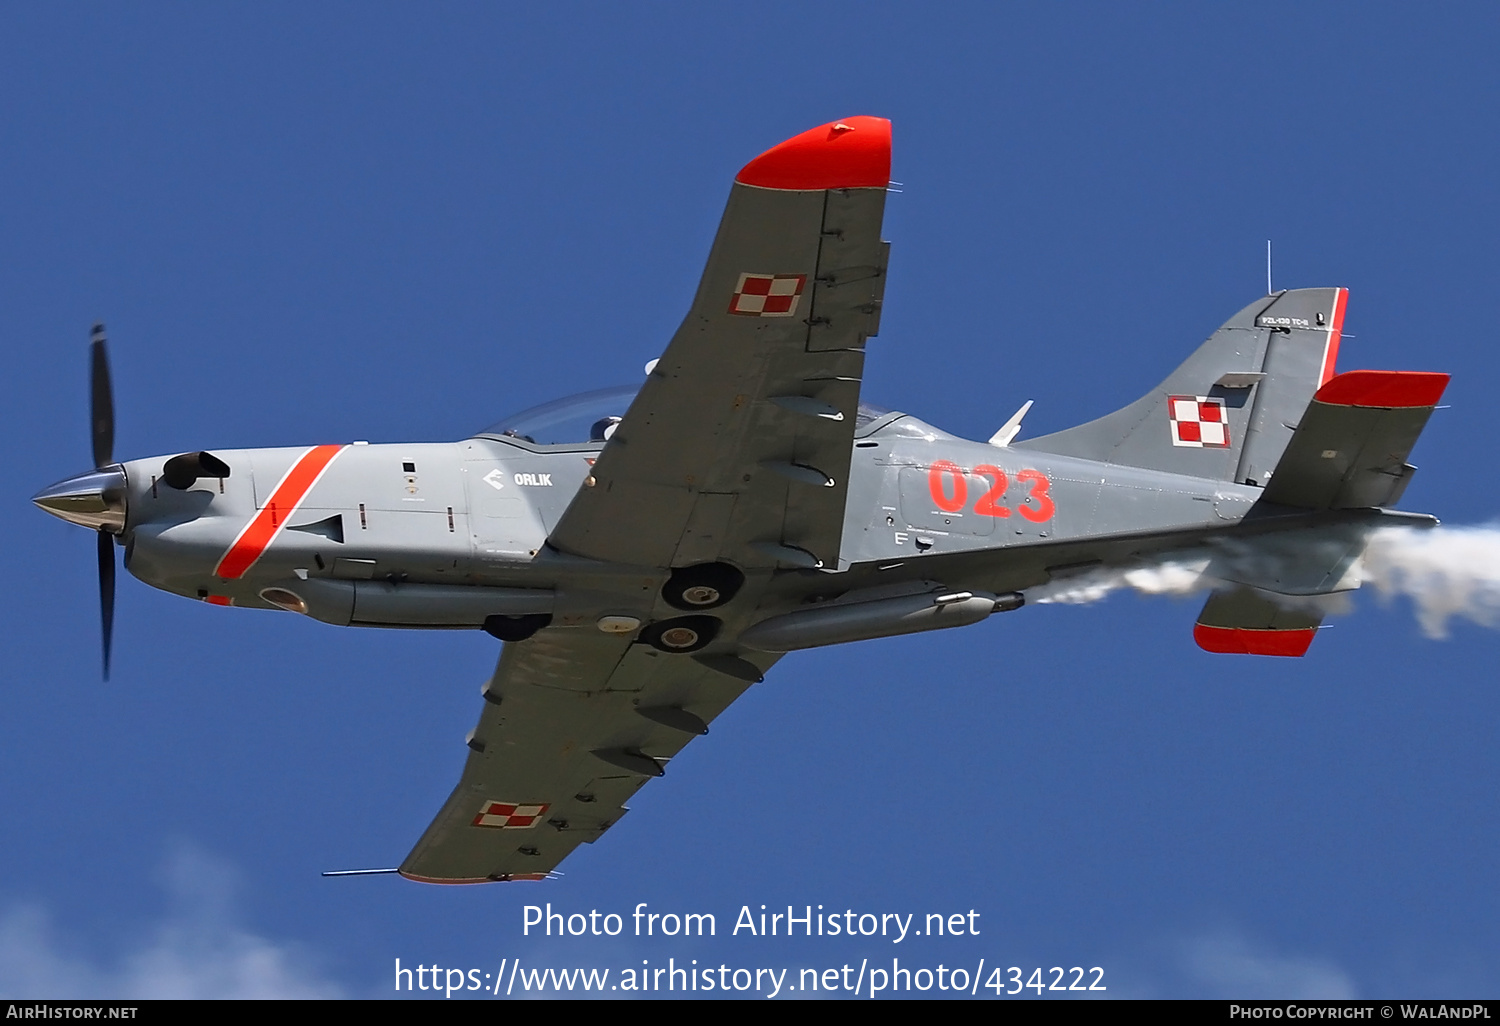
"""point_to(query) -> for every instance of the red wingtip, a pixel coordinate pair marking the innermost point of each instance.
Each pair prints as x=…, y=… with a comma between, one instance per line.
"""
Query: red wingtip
x=852, y=153
x=1244, y=641
x=1384, y=389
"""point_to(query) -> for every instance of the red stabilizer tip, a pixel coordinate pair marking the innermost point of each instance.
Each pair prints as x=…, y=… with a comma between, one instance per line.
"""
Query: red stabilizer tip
x=1245, y=641
x=1384, y=389
x=854, y=153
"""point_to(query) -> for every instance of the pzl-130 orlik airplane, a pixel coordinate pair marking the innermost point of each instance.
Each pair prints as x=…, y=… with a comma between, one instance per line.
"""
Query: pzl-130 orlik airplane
x=647, y=553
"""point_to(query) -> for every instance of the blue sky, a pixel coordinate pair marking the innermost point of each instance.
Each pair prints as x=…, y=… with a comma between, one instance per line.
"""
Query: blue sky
x=307, y=224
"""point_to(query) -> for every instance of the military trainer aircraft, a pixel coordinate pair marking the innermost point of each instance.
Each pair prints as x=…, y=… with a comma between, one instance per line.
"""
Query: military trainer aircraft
x=647, y=553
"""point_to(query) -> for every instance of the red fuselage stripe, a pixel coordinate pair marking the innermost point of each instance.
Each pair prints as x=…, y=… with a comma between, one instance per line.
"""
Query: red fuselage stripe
x=258, y=534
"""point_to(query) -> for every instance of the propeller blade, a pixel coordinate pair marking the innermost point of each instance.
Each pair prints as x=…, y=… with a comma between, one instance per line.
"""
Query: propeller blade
x=107, y=592
x=101, y=404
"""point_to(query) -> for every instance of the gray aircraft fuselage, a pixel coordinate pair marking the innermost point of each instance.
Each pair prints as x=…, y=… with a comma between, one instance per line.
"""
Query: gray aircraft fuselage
x=435, y=535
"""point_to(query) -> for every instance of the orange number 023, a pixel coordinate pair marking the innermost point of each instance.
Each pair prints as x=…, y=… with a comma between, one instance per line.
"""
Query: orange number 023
x=944, y=471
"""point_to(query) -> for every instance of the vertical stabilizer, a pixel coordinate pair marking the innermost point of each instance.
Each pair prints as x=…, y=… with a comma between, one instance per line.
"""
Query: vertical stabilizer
x=1228, y=411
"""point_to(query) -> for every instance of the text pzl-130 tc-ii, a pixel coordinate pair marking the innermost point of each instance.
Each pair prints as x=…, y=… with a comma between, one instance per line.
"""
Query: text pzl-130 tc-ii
x=646, y=554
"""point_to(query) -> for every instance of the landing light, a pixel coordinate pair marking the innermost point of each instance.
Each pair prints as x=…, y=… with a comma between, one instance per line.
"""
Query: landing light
x=284, y=599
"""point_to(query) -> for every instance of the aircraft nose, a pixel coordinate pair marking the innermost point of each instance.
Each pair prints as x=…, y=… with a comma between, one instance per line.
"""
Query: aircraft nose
x=95, y=500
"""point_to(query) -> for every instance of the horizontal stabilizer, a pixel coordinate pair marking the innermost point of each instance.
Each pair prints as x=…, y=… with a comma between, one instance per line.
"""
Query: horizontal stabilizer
x=1243, y=622
x=1350, y=448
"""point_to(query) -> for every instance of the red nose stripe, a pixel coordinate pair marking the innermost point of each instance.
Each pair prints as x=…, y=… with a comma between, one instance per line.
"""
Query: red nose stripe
x=257, y=535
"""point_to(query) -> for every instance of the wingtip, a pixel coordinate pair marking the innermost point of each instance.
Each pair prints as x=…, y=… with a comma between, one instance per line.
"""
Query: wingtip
x=850, y=153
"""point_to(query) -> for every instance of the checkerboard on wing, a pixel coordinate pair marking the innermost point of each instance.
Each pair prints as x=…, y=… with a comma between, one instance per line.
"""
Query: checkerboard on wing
x=767, y=295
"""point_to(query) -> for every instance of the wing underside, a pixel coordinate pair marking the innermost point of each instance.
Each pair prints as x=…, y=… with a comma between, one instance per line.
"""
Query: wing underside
x=574, y=722
x=738, y=446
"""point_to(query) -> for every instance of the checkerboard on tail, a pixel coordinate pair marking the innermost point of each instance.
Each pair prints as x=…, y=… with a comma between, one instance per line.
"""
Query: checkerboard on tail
x=1198, y=421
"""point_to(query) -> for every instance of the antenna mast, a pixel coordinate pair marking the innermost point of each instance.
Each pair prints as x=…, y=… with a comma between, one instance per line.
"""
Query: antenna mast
x=1269, y=291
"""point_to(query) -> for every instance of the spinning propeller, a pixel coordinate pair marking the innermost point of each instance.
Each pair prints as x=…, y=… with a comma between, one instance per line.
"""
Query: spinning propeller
x=96, y=499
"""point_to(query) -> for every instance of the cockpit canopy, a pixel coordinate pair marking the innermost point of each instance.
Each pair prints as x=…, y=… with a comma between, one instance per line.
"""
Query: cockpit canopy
x=589, y=418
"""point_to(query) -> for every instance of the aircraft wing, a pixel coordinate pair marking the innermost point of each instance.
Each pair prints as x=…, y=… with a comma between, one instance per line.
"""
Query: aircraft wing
x=738, y=445
x=574, y=722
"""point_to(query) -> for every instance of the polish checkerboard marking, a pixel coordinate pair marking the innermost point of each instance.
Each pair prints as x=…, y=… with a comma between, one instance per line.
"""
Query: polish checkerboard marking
x=509, y=815
x=767, y=295
x=1198, y=422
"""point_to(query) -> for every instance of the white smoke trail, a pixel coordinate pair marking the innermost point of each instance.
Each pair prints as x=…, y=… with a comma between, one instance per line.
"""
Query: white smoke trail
x=1172, y=576
x=1447, y=572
